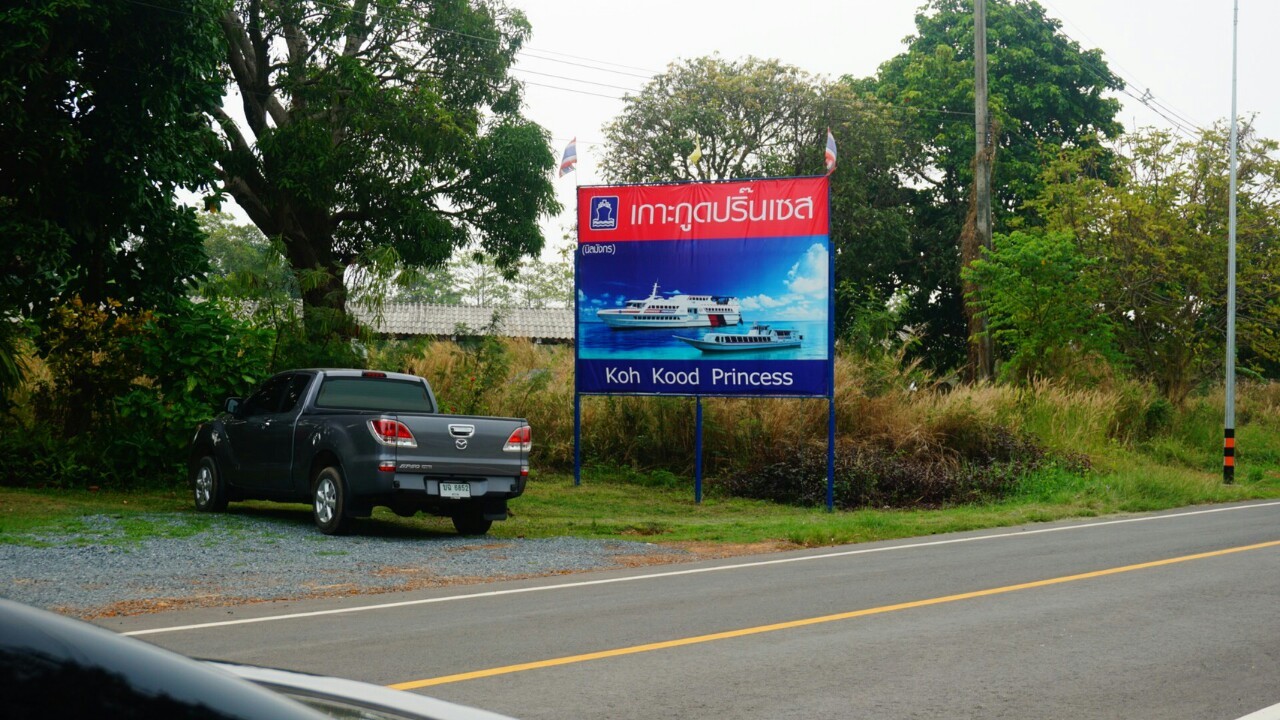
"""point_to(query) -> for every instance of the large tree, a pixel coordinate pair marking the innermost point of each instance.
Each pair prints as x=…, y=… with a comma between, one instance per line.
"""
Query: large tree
x=1045, y=93
x=381, y=126
x=749, y=118
x=1158, y=242
x=102, y=118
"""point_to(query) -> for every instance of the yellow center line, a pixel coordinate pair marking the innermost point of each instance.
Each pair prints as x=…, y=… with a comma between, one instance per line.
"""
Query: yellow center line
x=650, y=647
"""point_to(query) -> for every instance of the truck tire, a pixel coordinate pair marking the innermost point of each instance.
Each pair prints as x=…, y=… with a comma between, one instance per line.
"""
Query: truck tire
x=329, y=502
x=207, y=486
x=471, y=522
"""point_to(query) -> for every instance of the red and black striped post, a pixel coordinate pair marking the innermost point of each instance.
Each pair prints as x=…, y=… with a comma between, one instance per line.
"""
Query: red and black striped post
x=1229, y=455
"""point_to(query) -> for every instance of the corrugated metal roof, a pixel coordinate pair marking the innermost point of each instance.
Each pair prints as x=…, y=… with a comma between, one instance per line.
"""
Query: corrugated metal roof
x=444, y=320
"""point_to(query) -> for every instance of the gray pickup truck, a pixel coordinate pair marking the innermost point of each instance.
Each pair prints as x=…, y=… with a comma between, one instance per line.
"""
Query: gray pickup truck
x=349, y=440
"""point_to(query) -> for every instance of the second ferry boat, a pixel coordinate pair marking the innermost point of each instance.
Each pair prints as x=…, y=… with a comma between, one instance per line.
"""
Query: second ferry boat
x=676, y=311
x=759, y=337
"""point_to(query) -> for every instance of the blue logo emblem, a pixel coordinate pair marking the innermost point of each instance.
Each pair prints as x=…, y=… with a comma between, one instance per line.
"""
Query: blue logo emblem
x=604, y=212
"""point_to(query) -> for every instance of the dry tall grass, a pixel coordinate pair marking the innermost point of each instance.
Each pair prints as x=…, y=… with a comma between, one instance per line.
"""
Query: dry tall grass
x=879, y=406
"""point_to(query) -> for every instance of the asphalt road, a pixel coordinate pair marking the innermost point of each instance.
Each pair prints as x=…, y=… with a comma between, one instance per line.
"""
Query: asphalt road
x=1175, y=615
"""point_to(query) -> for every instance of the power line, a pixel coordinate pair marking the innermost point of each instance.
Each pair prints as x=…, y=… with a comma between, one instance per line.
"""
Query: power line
x=1148, y=93
x=595, y=64
x=1147, y=99
x=572, y=90
x=1178, y=115
x=590, y=67
x=594, y=60
x=573, y=79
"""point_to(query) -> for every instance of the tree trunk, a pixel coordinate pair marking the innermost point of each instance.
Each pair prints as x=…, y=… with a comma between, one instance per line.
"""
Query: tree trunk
x=324, y=306
x=307, y=235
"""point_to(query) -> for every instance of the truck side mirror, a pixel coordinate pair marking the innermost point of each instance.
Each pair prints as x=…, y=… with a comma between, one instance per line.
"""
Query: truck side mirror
x=231, y=404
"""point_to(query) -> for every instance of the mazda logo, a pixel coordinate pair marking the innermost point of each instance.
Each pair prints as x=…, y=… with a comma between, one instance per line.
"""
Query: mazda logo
x=460, y=443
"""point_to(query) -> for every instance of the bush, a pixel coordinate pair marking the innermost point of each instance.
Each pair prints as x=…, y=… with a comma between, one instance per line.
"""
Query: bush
x=977, y=467
x=140, y=383
x=84, y=348
x=39, y=457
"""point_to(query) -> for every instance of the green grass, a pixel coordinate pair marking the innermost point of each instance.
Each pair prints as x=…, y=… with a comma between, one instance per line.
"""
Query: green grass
x=63, y=512
x=624, y=505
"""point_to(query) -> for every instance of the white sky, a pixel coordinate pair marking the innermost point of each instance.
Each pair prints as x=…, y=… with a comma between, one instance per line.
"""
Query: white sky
x=1180, y=50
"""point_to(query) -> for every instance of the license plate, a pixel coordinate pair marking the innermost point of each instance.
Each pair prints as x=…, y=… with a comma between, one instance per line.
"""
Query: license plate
x=455, y=490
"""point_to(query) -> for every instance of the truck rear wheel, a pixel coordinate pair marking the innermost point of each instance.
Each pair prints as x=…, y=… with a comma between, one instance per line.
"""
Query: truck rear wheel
x=207, y=486
x=329, y=502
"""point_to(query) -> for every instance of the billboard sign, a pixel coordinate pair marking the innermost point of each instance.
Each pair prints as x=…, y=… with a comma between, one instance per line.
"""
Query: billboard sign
x=717, y=288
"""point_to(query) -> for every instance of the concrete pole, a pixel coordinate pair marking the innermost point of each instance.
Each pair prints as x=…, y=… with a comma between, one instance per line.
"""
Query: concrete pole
x=1229, y=422
x=982, y=171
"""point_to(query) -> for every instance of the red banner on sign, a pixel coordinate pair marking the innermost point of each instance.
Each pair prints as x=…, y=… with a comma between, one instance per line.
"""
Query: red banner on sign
x=703, y=211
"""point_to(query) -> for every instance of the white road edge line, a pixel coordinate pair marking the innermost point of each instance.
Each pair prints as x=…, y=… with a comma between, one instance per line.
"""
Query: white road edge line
x=698, y=571
x=1271, y=713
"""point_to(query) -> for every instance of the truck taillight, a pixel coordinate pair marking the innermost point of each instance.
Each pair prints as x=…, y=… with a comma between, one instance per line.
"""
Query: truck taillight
x=392, y=432
x=520, y=441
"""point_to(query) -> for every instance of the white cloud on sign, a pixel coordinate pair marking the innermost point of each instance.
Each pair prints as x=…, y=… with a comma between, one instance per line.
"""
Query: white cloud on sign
x=808, y=276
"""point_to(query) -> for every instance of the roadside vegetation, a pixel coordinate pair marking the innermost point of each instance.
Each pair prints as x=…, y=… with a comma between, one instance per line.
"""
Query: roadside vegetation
x=126, y=317
x=916, y=456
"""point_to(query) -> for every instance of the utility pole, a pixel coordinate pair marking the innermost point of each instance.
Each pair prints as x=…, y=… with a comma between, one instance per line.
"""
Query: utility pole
x=982, y=362
x=1229, y=423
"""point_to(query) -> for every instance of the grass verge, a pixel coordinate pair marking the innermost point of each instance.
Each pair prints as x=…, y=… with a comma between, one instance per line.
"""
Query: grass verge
x=631, y=506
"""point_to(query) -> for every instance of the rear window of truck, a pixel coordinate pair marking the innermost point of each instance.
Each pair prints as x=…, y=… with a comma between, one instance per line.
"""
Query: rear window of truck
x=379, y=394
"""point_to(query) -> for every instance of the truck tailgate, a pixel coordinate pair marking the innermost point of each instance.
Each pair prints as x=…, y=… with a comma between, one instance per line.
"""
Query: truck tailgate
x=457, y=445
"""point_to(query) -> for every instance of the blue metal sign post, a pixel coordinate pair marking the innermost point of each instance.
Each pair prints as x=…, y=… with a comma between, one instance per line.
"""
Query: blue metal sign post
x=697, y=451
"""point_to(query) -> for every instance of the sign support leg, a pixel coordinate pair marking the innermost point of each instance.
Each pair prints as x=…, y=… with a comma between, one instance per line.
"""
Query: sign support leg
x=577, y=439
x=697, y=451
x=831, y=454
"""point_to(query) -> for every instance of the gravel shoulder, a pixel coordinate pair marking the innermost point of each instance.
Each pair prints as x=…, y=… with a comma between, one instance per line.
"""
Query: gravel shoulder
x=98, y=569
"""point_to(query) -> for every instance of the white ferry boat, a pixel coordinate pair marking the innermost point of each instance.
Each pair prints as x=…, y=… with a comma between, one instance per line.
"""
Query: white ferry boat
x=677, y=311
x=759, y=337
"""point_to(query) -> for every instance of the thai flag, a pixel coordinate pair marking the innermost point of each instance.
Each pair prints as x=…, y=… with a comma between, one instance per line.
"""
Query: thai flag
x=570, y=160
x=831, y=152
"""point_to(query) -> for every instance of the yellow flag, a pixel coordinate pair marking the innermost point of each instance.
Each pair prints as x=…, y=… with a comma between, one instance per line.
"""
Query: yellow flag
x=696, y=155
